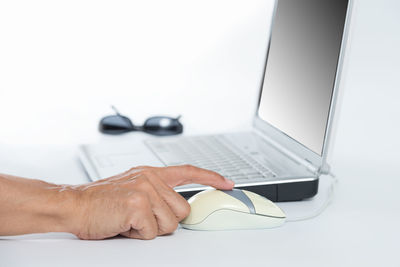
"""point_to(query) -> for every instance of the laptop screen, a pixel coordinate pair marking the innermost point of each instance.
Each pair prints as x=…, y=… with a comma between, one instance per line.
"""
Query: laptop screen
x=301, y=68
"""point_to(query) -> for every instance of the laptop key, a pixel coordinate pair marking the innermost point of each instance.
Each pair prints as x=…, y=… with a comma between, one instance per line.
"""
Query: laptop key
x=210, y=152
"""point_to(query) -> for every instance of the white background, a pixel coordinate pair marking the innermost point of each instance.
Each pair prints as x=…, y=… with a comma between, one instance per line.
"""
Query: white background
x=62, y=63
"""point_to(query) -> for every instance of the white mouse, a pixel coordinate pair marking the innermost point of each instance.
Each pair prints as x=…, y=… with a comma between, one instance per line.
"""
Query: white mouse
x=229, y=210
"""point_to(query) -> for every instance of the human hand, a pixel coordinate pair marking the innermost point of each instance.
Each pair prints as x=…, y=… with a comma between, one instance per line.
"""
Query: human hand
x=139, y=203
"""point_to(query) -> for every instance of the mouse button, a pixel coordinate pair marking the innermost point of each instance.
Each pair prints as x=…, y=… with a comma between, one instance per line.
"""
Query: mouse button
x=206, y=202
x=241, y=196
x=264, y=206
x=226, y=201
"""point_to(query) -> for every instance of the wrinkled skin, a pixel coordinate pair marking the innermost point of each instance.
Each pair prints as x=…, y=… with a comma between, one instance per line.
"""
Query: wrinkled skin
x=139, y=203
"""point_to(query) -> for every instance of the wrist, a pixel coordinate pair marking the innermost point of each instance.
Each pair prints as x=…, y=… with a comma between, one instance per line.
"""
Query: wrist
x=63, y=209
x=33, y=206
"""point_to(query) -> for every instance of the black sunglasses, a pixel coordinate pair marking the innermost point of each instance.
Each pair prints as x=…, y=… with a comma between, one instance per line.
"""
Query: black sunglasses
x=159, y=125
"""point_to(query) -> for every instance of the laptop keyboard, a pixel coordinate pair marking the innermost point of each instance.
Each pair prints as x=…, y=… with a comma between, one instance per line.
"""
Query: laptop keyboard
x=213, y=153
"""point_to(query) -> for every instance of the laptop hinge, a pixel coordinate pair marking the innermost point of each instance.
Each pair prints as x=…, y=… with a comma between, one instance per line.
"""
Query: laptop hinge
x=325, y=169
x=305, y=162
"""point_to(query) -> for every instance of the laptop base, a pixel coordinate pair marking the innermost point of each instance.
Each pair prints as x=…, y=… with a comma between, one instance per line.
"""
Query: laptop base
x=295, y=191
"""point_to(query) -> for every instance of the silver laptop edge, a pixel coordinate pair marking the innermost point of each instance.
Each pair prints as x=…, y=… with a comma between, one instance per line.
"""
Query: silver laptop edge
x=279, y=180
x=287, y=145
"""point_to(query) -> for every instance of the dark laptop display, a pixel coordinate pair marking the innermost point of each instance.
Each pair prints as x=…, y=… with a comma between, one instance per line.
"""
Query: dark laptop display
x=301, y=68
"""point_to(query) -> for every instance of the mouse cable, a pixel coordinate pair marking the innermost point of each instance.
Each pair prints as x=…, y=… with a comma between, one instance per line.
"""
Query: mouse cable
x=321, y=209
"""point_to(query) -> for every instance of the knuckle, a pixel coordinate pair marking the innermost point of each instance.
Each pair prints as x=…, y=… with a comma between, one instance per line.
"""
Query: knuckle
x=143, y=184
x=132, y=169
x=210, y=172
x=215, y=175
x=188, y=167
x=138, y=199
x=147, y=171
x=139, y=169
x=218, y=176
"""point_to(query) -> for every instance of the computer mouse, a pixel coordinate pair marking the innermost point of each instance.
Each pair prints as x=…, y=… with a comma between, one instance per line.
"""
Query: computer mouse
x=229, y=210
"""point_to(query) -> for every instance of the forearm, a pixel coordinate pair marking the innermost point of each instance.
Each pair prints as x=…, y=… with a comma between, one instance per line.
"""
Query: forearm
x=33, y=206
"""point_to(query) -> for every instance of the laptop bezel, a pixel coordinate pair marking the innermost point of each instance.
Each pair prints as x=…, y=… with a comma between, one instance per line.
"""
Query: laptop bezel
x=286, y=143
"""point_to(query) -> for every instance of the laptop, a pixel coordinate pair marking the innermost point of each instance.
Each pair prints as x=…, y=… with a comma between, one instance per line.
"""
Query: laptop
x=285, y=153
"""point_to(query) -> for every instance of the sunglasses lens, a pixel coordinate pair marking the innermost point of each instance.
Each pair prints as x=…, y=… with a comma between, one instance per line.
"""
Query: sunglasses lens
x=115, y=125
x=162, y=126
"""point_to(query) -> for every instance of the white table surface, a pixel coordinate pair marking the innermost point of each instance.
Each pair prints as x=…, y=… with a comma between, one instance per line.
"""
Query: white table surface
x=359, y=228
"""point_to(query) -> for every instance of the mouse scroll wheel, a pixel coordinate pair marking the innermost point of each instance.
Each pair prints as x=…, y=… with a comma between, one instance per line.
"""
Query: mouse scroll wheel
x=242, y=197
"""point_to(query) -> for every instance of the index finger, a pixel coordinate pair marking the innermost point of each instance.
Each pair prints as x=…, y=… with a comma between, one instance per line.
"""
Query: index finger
x=188, y=174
